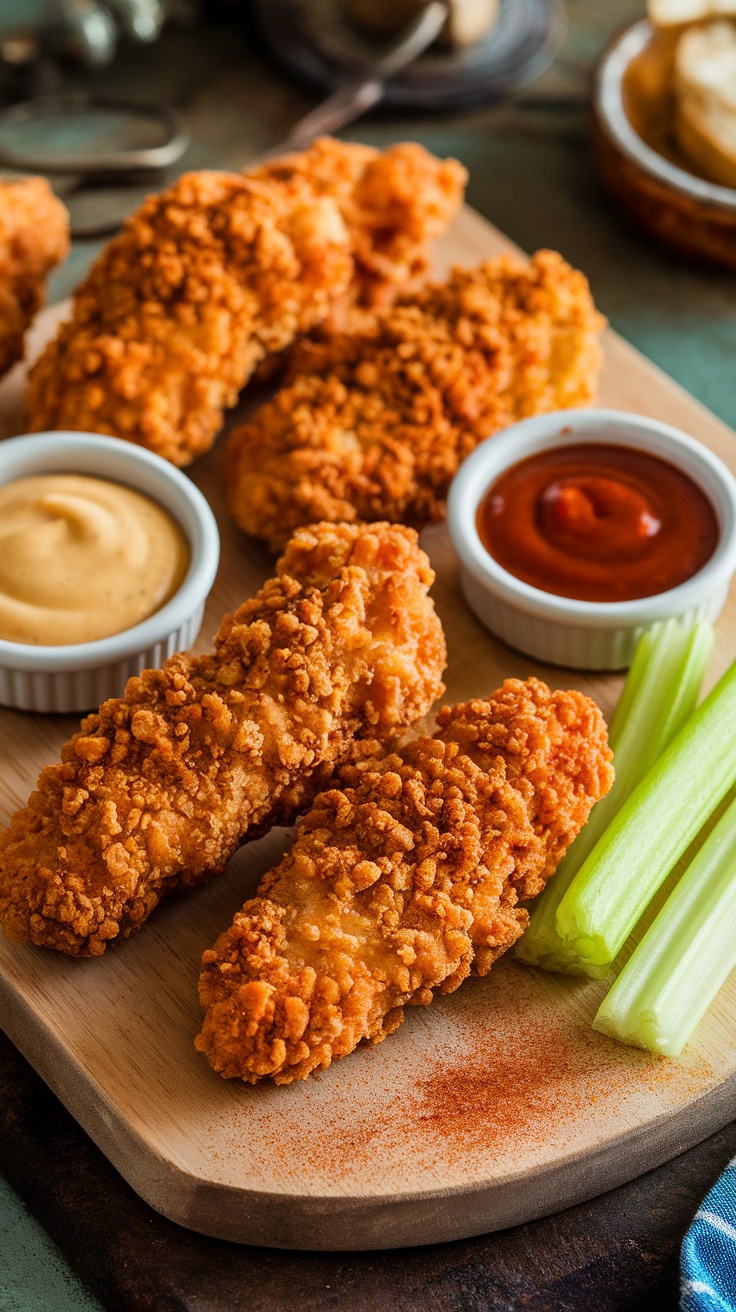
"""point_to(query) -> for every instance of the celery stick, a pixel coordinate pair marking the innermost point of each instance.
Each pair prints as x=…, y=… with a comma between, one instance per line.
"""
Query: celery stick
x=659, y=695
x=647, y=650
x=665, y=688
x=684, y=957
x=651, y=831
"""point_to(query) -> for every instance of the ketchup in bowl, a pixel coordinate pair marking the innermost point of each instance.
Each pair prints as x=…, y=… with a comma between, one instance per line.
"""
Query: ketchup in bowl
x=598, y=523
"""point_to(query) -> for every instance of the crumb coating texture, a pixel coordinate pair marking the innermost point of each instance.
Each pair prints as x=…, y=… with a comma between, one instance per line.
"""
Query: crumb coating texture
x=202, y=282
x=34, y=238
x=404, y=878
x=394, y=204
x=160, y=786
x=374, y=424
x=220, y=273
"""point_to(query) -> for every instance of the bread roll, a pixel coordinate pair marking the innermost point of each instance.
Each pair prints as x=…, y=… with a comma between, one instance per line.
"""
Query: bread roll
x=705, y=92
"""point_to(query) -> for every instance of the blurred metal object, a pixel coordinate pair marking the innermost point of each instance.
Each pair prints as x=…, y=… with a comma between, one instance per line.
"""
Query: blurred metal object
x=315, y=41
x=469, y=20
x=95, y=211
x=65, y=109
x=86, y=31
x=140, y=19
x=82, y=30
x=361, y=93
x=104, y=154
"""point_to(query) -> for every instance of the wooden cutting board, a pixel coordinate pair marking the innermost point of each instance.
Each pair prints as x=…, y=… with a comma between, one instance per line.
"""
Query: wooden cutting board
x=493, y=1106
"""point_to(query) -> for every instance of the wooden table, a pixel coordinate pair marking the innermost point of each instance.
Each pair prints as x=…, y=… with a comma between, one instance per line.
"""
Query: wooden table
x=531, y=174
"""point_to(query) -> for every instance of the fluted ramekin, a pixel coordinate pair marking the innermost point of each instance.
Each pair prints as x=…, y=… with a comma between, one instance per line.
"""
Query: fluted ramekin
x=563, y=630
x=80, y=676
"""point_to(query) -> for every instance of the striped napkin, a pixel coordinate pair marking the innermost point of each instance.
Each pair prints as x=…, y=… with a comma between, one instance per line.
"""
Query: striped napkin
x=708, y=1258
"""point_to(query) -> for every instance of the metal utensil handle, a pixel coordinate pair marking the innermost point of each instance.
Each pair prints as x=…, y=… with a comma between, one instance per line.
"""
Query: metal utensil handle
x=360, y=94
x=144, y=158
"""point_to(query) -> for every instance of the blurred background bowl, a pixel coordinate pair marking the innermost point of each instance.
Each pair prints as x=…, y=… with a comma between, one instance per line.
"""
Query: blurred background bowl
x=638, y=156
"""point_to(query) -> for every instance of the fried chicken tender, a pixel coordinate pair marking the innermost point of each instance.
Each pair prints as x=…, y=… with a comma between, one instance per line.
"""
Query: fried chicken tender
x=34, y=238
x=222, y=270
x=404, y=878
x=172, y=319
x=160, y=786
x=375, y=424
x=394, y=204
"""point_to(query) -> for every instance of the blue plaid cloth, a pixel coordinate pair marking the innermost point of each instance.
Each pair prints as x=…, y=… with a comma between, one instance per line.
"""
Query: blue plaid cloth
x=708, y=1258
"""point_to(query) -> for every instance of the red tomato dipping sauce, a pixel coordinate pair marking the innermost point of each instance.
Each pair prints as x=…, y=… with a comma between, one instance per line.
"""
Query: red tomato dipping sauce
x=598, y=523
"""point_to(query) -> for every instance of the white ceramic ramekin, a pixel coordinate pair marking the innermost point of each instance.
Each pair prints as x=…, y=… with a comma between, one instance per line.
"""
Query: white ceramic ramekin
x=561, y=630
x=81, y=676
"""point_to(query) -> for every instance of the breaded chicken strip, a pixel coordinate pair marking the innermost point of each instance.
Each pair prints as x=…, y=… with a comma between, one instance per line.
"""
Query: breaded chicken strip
x=172, y=319
x=159, y=787
x=404, y=879
x=394, y=204
x=34, y=238
x=223, y=270
x=374, y=424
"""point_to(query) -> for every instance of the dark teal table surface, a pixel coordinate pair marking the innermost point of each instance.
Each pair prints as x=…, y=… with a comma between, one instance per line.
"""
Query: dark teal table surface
x=532, y=174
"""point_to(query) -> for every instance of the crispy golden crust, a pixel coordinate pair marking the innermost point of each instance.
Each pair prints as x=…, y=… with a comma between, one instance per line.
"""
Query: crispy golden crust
x=159, y=787
x=34, y=238
x=374, y=424
x=223, y=270
x=394, y=204
x=200, y=284
x=403, y=880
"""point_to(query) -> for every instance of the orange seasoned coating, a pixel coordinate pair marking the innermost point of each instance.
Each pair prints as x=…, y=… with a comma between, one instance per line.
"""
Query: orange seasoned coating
x=222, y=272
x=201, y=283
x=160, y=786
x=34, y=238
x=374, y=424
x=404, y=879
x=394, y=204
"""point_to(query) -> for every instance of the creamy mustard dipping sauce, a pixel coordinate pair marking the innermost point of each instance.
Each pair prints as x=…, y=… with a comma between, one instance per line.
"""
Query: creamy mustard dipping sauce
x=82, y=558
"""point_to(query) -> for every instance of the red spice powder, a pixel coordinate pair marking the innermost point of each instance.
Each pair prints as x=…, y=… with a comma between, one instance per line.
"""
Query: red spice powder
x=517, y=1077
x=553, y=1073
x=527, y=1083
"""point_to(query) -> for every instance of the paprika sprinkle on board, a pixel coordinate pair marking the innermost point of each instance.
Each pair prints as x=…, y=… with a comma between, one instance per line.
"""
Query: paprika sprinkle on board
x=598, y=522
